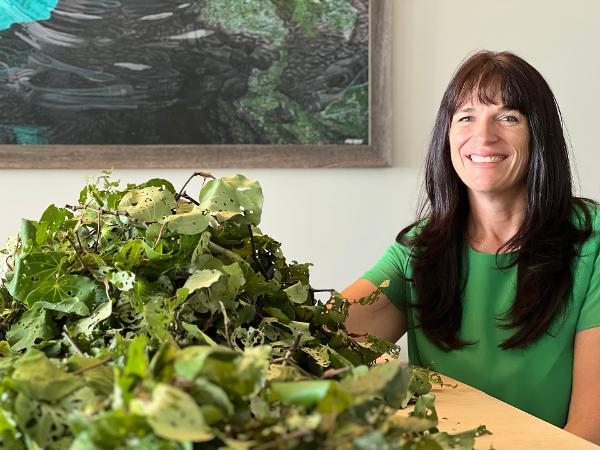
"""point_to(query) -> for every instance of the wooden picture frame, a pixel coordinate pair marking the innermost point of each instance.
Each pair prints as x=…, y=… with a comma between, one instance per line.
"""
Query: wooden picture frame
x=375, y=153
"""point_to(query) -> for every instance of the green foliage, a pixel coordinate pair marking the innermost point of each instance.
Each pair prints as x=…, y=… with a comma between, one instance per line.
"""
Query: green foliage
x=346, y=115
x=338, y=14
x=146, y=321
x=257, y=18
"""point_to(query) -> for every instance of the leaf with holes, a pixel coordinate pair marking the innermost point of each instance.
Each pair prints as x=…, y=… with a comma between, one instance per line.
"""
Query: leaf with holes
x=149, y=204
x=41, y=276
x=35, y=324
x=87, y=325
x=192, y=222
x=123, y=280
x=235, y=195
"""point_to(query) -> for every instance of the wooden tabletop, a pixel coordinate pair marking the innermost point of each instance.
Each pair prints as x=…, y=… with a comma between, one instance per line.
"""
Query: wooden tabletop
x=465, y=408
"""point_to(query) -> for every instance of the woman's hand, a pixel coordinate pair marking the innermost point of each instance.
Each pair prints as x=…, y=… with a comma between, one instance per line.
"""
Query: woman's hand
x=382, y=318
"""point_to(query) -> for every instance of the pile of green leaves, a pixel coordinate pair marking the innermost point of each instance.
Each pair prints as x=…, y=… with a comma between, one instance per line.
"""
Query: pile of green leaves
x=144, y=318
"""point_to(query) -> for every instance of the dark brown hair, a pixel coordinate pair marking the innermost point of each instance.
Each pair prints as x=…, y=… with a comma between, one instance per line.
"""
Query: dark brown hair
x=547, y=241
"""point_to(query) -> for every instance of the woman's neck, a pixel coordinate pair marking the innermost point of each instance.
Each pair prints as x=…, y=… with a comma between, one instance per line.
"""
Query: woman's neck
x=493, y=220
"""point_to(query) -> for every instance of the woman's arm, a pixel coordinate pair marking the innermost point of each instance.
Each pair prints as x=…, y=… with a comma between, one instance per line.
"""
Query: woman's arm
x=584, y=408
x=382, y=318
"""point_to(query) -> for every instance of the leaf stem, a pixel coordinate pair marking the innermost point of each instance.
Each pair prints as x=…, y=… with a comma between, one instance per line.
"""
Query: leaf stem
x=72, y=342
x=160, y=233
x=226, y=320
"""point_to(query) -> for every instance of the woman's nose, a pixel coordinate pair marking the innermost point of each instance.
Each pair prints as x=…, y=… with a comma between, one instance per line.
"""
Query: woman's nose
x=485, y=131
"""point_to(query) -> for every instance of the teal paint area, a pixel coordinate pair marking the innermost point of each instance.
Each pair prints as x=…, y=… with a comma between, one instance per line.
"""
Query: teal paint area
x=23, y=11
x=22, y=135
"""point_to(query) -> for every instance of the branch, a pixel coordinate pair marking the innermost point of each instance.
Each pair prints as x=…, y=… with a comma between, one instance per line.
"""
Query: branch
x=79, y=241
x=290, y=352
x=190, y=199
x=109, y=213
x=77, y=253
x=92, y=366
x=205, y=175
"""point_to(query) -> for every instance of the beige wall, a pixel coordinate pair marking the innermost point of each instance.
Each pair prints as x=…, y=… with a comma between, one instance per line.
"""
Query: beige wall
x=343, y=219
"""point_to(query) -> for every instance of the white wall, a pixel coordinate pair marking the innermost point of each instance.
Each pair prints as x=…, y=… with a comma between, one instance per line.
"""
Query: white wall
x=343, y=219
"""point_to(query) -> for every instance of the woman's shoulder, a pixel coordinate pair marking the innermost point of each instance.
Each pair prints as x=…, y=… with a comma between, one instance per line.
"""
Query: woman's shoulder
x=408, y=234
x=586, y=212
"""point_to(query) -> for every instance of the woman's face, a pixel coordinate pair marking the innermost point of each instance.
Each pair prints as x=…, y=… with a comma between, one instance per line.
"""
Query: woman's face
x=489, y=147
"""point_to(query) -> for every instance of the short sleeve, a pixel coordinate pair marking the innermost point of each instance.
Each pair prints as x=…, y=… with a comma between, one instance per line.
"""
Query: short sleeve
x=392, y=266
x=589, y=315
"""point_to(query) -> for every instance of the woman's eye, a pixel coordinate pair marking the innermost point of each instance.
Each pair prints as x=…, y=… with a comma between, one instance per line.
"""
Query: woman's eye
x=509, y=118
x=465, y=119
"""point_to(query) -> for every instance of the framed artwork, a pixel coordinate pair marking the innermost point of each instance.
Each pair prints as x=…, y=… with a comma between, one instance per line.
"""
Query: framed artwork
x=195, y=83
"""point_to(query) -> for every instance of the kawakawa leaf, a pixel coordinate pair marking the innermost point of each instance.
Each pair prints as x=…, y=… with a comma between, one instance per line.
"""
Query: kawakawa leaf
x=149, y=204
x=41, y=276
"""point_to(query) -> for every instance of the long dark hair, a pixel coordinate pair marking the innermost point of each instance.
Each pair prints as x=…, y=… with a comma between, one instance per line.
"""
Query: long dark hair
x=547, y=241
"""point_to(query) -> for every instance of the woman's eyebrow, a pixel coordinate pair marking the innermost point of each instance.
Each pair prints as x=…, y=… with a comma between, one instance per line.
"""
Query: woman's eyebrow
x=467, y=109
x=470, y=109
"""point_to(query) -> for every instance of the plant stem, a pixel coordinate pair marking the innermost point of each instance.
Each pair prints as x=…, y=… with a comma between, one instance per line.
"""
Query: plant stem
x=92, y=366
x=330, y=373
x=110, y=213
x=160, y=233
x=226, y=320
x=77, y=253
x=205, y=175
x=71, y=342
x=190, y=199
x=291, y=350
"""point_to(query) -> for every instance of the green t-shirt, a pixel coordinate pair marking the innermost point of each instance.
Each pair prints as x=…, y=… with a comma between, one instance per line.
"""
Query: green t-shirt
x=536, y=379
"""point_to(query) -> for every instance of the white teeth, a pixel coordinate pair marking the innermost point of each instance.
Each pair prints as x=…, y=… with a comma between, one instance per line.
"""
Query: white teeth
x=486, y=159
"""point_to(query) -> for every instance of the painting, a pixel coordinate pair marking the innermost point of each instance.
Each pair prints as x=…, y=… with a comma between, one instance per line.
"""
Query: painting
x=195, y=83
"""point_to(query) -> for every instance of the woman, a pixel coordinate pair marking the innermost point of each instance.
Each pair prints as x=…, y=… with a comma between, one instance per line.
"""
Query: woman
x=498, y=282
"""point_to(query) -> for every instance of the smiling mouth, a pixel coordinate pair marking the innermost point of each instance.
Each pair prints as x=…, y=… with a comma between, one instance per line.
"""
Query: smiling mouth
x=485, y=159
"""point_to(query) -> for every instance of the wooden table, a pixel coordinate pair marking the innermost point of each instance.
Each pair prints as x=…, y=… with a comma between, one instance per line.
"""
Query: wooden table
x=465, y=408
